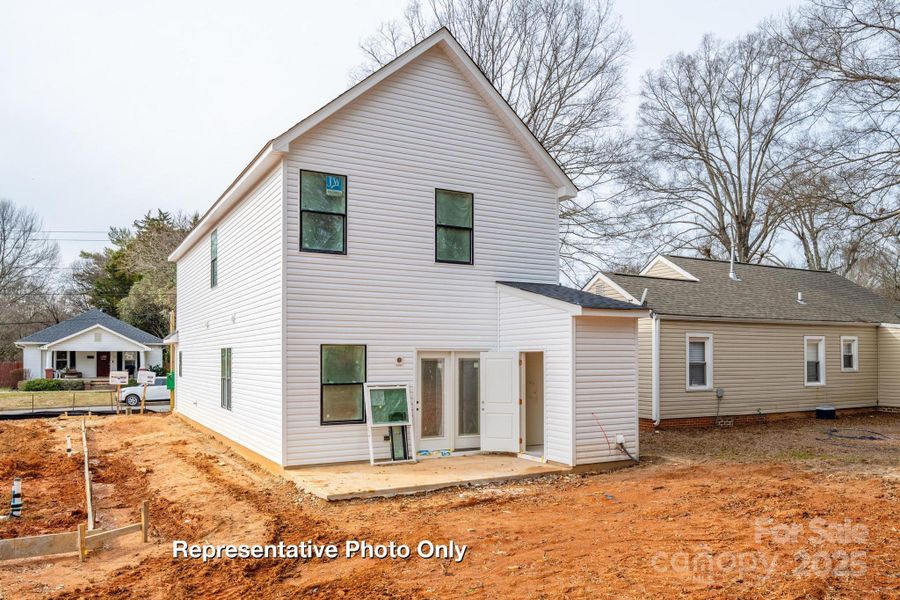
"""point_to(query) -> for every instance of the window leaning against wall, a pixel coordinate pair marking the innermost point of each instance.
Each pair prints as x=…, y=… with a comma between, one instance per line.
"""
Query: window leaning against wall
x=214, y=258
x=814, y=351
x=342, y=375
x=699, y=355
x=226, y=378
x=454, y=218
x=323, y=212
x=849, y=353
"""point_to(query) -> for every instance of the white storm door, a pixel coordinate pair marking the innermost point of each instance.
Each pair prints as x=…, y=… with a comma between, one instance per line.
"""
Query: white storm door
x=499, y=401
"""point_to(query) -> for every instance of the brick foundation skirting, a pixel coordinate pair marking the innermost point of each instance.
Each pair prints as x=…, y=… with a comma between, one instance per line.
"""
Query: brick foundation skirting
x=701, y=422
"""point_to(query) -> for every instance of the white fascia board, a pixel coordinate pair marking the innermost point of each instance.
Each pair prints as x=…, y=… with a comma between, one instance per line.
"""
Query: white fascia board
x=612, y=312
x=671, y=265
x=262, y=164
x=675, y=317
x=49, y=346
x=605, y=279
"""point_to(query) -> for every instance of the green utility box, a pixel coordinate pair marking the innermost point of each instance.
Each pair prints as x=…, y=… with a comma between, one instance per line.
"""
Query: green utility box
x=170, y=380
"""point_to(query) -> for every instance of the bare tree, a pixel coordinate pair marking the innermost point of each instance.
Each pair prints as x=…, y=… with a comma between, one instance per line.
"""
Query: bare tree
x=853, y=46
x=27, y=262
x=560, y=65
x=717, y=131
x=27, y=255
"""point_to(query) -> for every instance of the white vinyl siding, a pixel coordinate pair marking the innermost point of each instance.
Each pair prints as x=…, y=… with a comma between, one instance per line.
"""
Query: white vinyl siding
x=606, y=388
x=421, y=129
x=242, y=312
x=534, y=326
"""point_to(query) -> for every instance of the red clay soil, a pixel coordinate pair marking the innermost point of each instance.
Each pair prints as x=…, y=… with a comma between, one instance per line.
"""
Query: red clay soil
x=52, y=484
x=670, y=528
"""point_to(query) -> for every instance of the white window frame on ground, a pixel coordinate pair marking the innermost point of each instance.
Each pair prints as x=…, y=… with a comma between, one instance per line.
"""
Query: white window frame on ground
x=707, y=338
x=854, y=340
x=821, y=340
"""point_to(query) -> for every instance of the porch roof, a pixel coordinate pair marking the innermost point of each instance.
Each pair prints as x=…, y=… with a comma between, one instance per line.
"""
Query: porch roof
x=572, y=296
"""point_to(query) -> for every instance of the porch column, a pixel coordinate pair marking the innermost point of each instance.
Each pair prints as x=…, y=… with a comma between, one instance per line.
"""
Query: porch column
x=144, y=357
x=48, y=359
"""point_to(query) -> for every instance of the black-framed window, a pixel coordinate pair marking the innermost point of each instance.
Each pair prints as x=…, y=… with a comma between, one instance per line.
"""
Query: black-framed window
x=225, y=369
x=342, y=375
x=454, y=218
x=214, y=258
x=323, y=212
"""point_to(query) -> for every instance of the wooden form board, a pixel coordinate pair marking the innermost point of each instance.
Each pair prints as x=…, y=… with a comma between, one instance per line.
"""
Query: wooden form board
x=71, y=541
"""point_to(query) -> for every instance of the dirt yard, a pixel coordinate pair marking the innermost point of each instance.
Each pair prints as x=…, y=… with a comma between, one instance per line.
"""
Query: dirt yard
x=783, y=510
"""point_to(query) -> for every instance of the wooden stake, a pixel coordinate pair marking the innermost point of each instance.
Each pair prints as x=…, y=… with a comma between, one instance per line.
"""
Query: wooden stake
x=143, y=398
x=87, y=479
x=82, y=542
x=118, y=396
x=145, y=519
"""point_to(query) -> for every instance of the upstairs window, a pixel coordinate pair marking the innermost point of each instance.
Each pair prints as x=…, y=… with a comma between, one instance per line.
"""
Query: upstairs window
x=323, y=212
x=454, y=215
x=699, y=361
x=225, y=375
x=342, y=375
x=214, y=258
x=849, y=353
x=814, y=348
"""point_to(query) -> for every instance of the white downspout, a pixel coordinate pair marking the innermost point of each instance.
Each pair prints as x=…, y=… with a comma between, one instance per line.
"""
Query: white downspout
x=654, y=359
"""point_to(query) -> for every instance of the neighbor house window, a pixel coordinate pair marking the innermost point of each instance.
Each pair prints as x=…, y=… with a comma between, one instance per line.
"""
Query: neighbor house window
x=226, y=378
x=323, y=212
x=214, y=258
x=814, y=348
x=699, y=361
x=343, y=373
x=63, y=360
x=454, y=215
x=849, y=353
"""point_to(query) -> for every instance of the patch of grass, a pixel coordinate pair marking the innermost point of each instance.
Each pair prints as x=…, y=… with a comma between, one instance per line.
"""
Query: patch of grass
x=15, y=400
x=797, y=454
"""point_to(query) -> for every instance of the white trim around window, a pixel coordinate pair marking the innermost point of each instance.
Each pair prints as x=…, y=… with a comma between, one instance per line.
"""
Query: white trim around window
x=819, y=362
x=707, y=361
x=853, y=341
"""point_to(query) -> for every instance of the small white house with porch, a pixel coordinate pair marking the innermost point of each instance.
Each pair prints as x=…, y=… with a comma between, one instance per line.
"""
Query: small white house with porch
x=88, y=346
x=406, y=233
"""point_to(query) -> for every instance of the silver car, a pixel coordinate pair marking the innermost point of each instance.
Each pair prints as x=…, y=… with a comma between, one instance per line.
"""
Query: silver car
x=156, y=392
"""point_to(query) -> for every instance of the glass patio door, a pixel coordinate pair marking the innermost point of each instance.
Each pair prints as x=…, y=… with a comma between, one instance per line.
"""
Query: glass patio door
x=431, y=402
x=447, y=401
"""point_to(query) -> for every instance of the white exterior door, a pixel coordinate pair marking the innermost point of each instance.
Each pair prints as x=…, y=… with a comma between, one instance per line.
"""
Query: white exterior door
x=499, y=401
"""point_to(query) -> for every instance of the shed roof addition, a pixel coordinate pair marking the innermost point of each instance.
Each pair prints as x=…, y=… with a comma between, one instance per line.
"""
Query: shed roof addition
x=87, y=320
x=572, y=296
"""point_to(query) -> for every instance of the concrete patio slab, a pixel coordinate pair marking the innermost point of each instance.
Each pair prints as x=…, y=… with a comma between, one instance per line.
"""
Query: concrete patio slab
x=362, y=480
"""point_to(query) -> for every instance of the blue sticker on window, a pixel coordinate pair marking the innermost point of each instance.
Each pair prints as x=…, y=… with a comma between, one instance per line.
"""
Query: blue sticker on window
x=334, y=185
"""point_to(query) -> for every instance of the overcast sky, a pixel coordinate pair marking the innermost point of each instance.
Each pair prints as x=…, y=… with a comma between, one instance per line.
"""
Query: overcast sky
x=110, y=109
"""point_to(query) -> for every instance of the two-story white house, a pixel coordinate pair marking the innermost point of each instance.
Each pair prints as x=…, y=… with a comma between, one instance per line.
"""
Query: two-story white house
x=407, y=232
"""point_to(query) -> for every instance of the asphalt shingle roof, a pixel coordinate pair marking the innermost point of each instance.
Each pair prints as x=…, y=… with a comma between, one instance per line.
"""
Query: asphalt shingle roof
x=572, y=296
x=86, y=320
x=763, y=292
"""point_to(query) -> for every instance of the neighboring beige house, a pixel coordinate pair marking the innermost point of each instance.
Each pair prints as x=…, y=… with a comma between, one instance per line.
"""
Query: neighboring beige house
x=747, y=343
